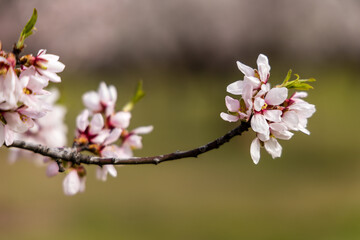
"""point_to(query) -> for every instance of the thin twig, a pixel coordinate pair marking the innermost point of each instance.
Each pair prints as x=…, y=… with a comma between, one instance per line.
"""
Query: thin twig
x=71, y=155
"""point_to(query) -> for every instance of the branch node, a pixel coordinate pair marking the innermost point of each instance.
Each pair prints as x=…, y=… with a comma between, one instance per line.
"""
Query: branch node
x=156, y=161
x=59, y=163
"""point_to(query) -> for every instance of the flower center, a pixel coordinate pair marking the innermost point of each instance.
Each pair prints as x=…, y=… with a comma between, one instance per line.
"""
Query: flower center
x=27, y=91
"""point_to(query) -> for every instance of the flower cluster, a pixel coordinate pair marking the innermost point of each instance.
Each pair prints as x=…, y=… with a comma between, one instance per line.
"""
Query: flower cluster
x=99, y=128
x=271, y=113
x=49, y=131
x=22, y=83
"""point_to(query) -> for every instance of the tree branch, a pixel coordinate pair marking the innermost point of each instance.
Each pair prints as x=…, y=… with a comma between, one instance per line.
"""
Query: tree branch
x=71, y=154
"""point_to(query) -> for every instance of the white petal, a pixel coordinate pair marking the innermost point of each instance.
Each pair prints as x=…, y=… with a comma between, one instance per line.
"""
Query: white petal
x=291, y=120
x=101, y=136
x=17, y=123
x=276, y=96
x=121, y=119
x=278, y=127
x=111, y=170
x=142, y=130
x=284, y=135
x=263, y=67
x=134, y=141
x=104, y=93
x=246, y=70
x=113, y=137
x=71, y=183
x=300, y=95
x=273, y=115
x=235, y=87
x=247, y=95
x=55, y=66
x=113, y=93
x=92, y=101
x=263, y=137
x=258, y=103
x=233, y=105
x=9, y=136
x=259, y=124
x=82, y=120
x=254, y=81
x=50, y=75
x=52, y=169
x=96, y=124
x=255, y=150
x=101, y=173
x=273, y=147
x=228, y=117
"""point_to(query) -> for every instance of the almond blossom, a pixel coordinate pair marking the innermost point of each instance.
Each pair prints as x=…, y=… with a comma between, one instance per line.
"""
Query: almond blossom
x=271, y=113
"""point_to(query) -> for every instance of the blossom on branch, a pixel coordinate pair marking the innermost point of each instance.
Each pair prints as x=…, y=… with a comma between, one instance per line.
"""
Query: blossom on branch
x=271, y=113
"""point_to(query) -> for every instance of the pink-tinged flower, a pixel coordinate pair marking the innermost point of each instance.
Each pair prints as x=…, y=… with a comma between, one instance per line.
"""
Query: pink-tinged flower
x=103, y=171
x=49, y=130
x=272, y=115
x=18, y=122
x=132, y=140
x=91, y=132
x=297, y=113
x=101, y=101
x=73, y=183
x=9, y=90
x=252, y=76
x=31, y=86
x=264, y=111
x=47, y=65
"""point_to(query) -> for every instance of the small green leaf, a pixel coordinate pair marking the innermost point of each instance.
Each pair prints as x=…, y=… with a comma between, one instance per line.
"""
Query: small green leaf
x=28, y=30
x=287, y=78
x=299, y=84
x=139, y=94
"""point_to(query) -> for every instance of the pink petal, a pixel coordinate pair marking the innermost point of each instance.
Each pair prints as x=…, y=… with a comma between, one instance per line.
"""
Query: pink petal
x=111, y=170
x=233, y=105
x=246, y=70
x=92, y=101
x=104, y=93
x=52, y=169
x=254, y=81
x=228, y=117
x=273, y=147
x=255, y=150
x=82, y=120
x=142, y=130
x=258, y=103
x=235, y=87
x=259, y=124
x=71, y=183
x=113, y=137
x=9, y=136
x=273, y=115
x=121, y=119
x=291, y=120
x=96, y=124
x=276, y=96
x=134, y=141
x=263, y=67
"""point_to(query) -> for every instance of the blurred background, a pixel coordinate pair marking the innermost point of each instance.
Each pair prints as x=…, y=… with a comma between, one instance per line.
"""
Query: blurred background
x=185, y=53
